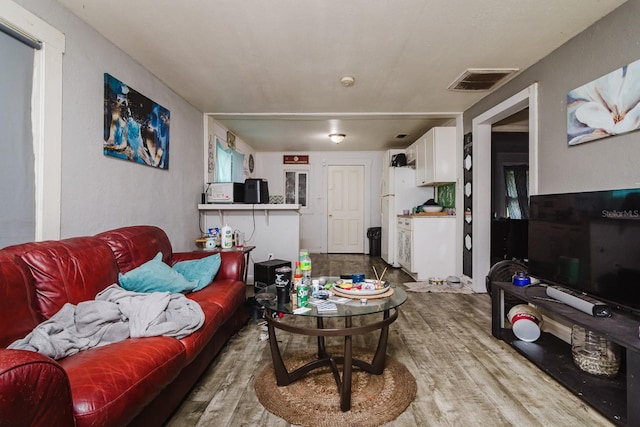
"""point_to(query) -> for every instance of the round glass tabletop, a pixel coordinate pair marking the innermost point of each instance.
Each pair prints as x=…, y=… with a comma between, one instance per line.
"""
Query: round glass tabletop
x=343, y=306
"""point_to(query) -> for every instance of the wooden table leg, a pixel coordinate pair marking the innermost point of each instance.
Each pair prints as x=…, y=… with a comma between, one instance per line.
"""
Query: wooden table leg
x=345, y=394
x=322, y=351
x=379, y=359
x=282, y=375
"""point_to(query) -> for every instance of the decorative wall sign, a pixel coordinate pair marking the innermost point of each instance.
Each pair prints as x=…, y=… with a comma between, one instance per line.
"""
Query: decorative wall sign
x=231, y=140
x=607, y=106
x=295, y=160
x=135, y=128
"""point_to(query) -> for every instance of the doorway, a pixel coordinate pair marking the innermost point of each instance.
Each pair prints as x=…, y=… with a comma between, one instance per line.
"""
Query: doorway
x=345, y=206
x=510, y=188
x=481, y=204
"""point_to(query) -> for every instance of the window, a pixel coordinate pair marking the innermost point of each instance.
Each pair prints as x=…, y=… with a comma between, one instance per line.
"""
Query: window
x=296, y=187
x=517, y=191
x=46, y=115
x=17, y=170
x=229, y=164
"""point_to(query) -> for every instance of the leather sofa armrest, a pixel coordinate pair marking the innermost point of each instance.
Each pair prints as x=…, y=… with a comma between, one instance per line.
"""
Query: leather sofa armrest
x=186, y=256
x=231, y=266
x=34, y=390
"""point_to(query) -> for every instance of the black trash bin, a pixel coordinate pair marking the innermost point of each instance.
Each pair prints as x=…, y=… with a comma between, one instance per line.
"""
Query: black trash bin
x=374, y=234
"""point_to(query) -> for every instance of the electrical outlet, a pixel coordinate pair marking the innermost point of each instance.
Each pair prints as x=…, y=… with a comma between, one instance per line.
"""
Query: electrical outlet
x=269, y=256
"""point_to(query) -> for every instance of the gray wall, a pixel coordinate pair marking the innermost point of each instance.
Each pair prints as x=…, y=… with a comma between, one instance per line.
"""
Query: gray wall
x=99, y=192
x=599, y=165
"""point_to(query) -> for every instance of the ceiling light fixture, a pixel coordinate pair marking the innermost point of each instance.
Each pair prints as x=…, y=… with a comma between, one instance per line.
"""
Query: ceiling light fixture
x=337, y=137
x=347, y=81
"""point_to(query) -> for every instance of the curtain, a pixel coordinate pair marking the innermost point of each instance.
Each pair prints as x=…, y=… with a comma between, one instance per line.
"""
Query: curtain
x=223, y=163
x=229, y=164
x=517, y=191
x=17, y=157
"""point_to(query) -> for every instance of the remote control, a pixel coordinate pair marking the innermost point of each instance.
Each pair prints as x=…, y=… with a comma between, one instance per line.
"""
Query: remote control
x=579, y=301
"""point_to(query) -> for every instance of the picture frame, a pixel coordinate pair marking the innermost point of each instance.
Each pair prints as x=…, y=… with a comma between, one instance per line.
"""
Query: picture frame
x=135, y=127
x=604, y=107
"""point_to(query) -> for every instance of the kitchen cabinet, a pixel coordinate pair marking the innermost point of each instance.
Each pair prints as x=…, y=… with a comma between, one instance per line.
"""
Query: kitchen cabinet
x=410, y=153
x=404, y=243
x=435, y=154
x=426, y=245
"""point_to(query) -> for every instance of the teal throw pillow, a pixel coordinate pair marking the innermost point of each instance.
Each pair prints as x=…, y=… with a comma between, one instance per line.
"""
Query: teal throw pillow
x=155, y=276
x=203, y=270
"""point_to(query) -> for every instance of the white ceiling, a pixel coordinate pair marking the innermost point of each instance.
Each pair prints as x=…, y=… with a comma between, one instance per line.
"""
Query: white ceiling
x=270, y=70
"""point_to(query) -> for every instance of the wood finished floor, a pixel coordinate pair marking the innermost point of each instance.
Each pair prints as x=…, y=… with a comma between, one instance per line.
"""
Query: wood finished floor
x=465, y=377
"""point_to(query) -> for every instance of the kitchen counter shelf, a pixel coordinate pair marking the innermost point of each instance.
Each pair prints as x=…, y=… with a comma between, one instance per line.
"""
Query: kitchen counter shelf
x=263, y=207
x=428, y=215
x=247, y=206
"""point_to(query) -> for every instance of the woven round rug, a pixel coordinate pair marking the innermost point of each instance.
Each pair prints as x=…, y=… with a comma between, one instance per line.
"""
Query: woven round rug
x=314, y=401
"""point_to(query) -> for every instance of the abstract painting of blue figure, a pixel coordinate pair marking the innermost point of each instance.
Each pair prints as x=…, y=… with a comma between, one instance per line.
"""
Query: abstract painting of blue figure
x=135, y=128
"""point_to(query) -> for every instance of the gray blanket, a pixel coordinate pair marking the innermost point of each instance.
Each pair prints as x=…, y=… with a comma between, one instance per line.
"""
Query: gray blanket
x=115, y=315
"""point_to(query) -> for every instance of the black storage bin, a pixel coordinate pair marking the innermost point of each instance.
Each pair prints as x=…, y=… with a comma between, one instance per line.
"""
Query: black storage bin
x=264, y=273
x=374, y=234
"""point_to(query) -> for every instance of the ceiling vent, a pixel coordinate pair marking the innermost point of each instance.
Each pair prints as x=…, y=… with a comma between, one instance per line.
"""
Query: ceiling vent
x=482, y=79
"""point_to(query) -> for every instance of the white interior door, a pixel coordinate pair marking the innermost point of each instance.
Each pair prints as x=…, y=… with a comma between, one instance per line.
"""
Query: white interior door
x=345, y=208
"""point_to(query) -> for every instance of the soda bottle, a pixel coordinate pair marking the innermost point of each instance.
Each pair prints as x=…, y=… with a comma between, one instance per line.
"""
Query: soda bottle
x=303, y=289
x=305, y=264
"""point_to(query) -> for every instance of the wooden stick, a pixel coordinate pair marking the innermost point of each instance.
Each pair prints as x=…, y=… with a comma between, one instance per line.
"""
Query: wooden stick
x=376, y=273
x=381, y=276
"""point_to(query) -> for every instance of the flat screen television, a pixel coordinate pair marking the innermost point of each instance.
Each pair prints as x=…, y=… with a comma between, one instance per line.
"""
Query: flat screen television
x=589, y=242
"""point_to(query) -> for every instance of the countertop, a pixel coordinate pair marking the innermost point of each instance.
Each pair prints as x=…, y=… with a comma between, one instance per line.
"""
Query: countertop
x=428, y=215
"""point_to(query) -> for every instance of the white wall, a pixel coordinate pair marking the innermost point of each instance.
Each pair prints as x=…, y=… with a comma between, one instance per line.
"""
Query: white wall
x=313, y=222
x=99, y=192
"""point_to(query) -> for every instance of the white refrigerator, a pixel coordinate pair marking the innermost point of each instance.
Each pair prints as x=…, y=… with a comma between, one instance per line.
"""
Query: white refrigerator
x=398, y=191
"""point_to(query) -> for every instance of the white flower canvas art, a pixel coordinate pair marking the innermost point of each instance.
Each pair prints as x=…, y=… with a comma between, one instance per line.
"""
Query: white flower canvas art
x=607, y=106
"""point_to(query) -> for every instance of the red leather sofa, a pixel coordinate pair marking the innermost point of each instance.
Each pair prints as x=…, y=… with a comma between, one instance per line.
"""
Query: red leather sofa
x=138, y=381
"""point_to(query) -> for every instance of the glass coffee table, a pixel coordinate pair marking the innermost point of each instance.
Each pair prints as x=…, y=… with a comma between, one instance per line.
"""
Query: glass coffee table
x=387, y=306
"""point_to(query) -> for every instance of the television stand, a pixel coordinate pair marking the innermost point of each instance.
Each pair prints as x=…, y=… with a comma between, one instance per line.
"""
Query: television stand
x=616, y=398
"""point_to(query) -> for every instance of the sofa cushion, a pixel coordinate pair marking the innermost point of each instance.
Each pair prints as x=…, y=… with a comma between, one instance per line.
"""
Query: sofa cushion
x=110, y=385
x=226, y=293
x=135, y=245
x=156, y=276
x=18, y=308
x=203, y=269
x=71, y=270
x=195, y=342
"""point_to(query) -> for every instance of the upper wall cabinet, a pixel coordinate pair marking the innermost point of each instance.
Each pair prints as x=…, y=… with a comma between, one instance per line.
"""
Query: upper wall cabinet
x=435, y=154
x=410, y=153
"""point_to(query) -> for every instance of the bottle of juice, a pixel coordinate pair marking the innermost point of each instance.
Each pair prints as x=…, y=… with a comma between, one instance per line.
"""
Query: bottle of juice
x=297, y=278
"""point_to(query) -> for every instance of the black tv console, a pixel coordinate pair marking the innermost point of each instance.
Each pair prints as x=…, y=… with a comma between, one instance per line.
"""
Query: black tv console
x=616, y=398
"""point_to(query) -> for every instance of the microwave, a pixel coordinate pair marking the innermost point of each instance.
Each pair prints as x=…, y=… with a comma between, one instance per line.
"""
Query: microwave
x=225, y=192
